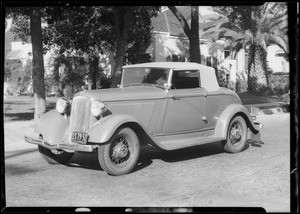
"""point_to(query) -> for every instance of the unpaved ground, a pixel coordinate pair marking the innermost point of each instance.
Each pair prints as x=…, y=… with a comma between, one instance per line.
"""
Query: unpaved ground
x=202, y=176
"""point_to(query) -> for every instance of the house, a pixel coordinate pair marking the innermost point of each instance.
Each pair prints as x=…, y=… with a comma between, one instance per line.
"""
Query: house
x=169, y=39
x=169, y=43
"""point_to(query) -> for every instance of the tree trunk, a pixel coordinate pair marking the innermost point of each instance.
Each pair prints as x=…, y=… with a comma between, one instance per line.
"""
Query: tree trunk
x=258, y=81
x=123, y=16
x=94, y=69
x=69, y=68
x=194, y=35
x=56, y=64
x=37, y=63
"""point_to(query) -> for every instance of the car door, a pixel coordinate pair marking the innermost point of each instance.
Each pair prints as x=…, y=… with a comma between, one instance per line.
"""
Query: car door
x=185, y=104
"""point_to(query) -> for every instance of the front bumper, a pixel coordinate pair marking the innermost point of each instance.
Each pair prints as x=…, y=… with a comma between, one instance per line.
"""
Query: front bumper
x=72, y=147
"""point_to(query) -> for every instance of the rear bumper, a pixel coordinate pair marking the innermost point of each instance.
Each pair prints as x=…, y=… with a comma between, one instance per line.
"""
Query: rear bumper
x=72, y=147
x=258, y=125
x=255, y=137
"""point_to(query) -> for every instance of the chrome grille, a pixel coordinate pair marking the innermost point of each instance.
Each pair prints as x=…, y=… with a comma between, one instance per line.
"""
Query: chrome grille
x=80, y=115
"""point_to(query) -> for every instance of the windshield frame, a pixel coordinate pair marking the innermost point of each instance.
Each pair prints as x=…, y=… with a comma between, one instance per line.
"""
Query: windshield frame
x=165, y=86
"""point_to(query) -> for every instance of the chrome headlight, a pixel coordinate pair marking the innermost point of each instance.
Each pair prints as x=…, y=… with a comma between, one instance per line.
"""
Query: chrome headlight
x=98, y=108
x=63, y=105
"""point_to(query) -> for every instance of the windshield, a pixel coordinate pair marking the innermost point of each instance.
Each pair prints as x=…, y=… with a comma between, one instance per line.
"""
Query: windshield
x=136, y=76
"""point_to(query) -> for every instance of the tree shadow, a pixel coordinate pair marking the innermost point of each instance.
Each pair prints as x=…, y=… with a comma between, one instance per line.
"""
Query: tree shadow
x=19, y=116
x=11, y=154
x=24, y=116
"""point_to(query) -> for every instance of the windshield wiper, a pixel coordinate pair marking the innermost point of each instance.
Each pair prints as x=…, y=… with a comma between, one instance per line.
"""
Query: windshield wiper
x=133, y=84
x=146, y=84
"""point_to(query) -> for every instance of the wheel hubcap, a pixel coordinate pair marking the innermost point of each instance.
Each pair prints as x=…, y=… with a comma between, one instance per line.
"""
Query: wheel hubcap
x=235, y=133
x=120, y=151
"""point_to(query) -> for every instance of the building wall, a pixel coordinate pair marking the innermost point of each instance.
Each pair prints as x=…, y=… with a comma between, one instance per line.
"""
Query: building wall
x=277, y=63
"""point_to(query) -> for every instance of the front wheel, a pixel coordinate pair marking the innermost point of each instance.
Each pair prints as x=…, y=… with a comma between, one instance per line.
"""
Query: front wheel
x=236, y=135
x=120, y=155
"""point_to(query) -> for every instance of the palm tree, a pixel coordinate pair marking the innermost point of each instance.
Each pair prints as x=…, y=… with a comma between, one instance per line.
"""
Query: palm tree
x=254, y=28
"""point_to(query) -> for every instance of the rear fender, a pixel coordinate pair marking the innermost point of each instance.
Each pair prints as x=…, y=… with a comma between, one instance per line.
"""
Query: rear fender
x=228, y=113
x=104, y=129
x=53, y=126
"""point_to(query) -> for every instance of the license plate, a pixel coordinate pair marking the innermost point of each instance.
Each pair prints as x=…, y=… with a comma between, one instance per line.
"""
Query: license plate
x=79, y=137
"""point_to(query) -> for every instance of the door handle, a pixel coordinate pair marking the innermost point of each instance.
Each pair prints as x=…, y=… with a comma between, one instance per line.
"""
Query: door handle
x=174, y=97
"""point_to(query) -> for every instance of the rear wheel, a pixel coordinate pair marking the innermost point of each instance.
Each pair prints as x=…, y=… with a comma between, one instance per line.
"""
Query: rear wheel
x=120, y=155
x=54, y=156
x=236, y=135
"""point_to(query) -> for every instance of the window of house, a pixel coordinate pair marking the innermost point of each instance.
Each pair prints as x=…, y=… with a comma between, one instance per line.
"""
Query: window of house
x=184, y=79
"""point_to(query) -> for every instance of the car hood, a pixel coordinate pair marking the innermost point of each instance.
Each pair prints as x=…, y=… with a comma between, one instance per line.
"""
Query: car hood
x=126, y=93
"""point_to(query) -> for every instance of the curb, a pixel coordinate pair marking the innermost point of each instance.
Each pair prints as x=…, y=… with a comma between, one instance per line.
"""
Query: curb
x=267, y=108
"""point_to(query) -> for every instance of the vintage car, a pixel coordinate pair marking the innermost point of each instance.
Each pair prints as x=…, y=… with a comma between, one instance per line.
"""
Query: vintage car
x=172, y=105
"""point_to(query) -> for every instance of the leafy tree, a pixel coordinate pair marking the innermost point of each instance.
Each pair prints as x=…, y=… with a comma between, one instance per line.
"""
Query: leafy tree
x=131, y=28
x=17, y=76
x=99, y=29
x=34, y=14
x=191, y=32
x=255, y=27
x=92, y=27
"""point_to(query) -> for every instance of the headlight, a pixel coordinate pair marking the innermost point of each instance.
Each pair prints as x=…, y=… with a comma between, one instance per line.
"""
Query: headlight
x=98, y=108
x=62, y=105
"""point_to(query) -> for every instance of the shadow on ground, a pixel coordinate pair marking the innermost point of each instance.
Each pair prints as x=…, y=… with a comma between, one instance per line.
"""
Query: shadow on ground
x=149, y=153
x=11, y=154
x=23, y=116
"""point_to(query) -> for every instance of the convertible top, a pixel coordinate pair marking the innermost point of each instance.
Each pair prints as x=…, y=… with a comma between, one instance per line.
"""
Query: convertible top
x=207, y=74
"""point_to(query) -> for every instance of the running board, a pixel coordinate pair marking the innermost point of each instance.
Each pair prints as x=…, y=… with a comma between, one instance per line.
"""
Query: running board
x=172, y=142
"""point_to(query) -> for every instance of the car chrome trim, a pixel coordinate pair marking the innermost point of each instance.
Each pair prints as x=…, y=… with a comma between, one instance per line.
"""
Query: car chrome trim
x=73, y=147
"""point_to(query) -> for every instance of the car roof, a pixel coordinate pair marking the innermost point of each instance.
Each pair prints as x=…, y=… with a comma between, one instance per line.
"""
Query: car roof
x=208, y=76
x=173, y=65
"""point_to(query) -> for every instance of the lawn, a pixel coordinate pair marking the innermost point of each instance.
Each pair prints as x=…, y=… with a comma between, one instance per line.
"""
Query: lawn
x=248, y=98
x=21, y=108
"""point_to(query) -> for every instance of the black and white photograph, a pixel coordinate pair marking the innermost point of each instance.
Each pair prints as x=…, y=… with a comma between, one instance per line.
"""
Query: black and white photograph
x=181, y=108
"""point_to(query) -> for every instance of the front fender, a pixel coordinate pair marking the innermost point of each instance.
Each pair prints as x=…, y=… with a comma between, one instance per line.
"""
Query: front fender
x=104, y=129
x=53, y=126
x=226, y=116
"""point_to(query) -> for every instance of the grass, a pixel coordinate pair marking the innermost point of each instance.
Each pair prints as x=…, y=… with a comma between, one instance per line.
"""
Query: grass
x=248, y=99
x=21, y=108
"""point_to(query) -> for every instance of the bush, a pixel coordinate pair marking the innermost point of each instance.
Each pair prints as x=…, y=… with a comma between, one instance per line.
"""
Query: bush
x=279, y=84
x=222, y=77
x=241, y=82
x=17, y=76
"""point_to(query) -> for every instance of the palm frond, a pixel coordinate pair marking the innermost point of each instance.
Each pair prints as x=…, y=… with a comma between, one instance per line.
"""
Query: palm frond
x=281, y=42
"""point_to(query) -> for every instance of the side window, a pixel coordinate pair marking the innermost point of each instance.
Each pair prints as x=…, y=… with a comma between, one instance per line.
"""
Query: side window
x=184, y=79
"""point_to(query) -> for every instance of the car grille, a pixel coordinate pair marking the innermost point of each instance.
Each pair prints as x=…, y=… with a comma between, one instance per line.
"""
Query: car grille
x=80, y=115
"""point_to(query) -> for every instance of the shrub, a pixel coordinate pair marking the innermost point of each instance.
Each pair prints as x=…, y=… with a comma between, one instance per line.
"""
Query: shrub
x=17, y=76
x=279, y=84
x=241, y=82
x=222, y=77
